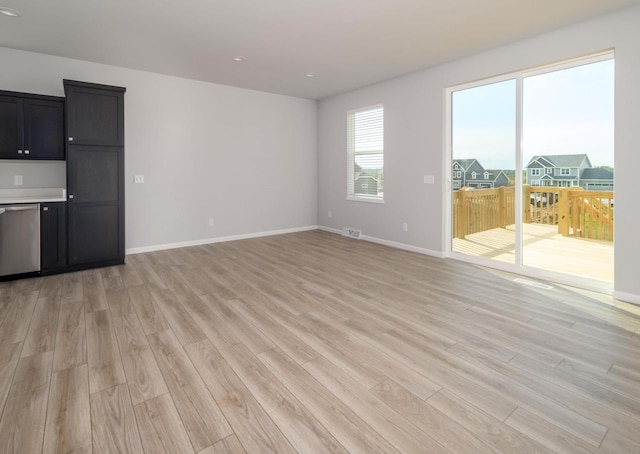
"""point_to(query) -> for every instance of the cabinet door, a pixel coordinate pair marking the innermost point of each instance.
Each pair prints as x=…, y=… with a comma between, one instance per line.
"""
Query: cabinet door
x=96, y=204
x=10, y=127
x=53, y=235
x=43, y=129
x=94, y=116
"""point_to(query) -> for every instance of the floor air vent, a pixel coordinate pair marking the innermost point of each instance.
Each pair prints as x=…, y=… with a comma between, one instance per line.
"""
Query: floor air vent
x=533, y=283
x=351, y=233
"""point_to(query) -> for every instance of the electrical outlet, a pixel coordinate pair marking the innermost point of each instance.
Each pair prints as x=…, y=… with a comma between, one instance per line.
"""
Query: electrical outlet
x=210, y=222
x=405, y=226
x=138, y=179
x=330, y=214
x=17, y=180
x=429, y=179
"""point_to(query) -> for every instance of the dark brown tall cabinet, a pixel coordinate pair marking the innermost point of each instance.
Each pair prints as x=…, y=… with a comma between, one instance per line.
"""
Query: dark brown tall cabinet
x=95, y=174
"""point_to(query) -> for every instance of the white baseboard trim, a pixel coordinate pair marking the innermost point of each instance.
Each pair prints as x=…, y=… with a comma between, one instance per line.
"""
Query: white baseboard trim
x=330, y=230
x=221, y=239
x=403, y=246
x=627, y=297
x=394, y=244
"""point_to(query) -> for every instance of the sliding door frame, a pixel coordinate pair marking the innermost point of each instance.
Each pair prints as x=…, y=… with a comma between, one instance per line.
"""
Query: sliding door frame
x=518, y=267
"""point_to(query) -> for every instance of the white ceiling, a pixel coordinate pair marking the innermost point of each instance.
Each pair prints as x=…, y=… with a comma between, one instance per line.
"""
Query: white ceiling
x=345, y=43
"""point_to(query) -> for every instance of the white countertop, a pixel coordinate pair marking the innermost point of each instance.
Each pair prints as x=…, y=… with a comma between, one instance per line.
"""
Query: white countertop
x=32, y=195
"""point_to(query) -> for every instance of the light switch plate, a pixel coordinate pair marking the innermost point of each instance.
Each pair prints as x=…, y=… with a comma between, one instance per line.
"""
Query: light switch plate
x=138, y=179
x=17, y=180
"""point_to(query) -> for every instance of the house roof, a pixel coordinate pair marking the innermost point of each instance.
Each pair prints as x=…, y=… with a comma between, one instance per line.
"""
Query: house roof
x=465, y=163
x=539, y=161
x=493, y=176
x=596, y=174
x=366, y=177
x=562, y=160
x=495, y=173
x=558, y=177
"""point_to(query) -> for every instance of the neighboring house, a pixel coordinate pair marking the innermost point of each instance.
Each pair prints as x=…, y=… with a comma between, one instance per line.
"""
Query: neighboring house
x=569, y=170
x=470, y=173
x=366, y=184
x=597, y=179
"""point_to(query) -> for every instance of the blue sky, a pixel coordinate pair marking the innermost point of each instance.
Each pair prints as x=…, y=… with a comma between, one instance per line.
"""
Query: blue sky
x=564, y=112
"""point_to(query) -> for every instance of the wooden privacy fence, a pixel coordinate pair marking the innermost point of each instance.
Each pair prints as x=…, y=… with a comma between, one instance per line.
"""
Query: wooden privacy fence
x=576, y=212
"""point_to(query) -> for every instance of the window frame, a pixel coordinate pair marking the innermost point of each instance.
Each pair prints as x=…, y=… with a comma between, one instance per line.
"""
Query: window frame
x=351, y=155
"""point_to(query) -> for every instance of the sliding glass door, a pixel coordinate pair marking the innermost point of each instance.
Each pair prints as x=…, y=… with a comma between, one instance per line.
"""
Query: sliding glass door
x=531, y=171
x=483, y=152
x=567, y=150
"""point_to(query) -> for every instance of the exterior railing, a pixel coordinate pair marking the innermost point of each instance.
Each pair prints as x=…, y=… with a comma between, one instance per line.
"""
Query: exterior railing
x=576, y=212
x=477, y=210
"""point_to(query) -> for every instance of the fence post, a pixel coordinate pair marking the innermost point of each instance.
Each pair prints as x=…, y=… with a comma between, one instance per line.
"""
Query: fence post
x=563, y=212
x=526, y=203
x=464, y=215
x=577, y=211
x=455, y=209
x=502, y=208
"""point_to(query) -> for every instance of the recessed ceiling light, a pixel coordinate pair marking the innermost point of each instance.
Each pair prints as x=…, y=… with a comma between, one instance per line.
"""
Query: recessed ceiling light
x=238, y=58
x=9, y=12
x=310, y=75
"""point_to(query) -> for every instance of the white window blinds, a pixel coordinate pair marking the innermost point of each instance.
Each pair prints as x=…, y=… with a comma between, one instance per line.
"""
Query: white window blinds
x=365, y=149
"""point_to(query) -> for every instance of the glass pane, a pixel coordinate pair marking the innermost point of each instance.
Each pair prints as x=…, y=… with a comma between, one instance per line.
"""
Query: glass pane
x=483, y=171
x=568, y=140
x=369, y=176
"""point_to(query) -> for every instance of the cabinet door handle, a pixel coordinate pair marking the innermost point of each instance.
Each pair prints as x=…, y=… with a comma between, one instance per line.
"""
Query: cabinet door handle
x=70, y=139
x=26, y=151
x=70, y=196
x=45, y=208
x=19, y=151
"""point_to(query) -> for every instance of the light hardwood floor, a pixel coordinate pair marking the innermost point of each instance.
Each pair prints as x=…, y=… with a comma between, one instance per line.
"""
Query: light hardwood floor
x=311, y=342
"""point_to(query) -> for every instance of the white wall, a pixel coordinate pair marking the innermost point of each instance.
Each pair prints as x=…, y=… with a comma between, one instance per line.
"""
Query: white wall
x=245, y=158
x=35, y=174
x=414, y=139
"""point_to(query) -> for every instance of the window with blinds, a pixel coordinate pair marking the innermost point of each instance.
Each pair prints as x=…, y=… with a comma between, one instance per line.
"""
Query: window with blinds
x=365, y=149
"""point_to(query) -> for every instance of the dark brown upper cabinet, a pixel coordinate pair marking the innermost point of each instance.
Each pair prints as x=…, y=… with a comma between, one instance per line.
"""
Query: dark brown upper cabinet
x=95, y=116
x=31, y=126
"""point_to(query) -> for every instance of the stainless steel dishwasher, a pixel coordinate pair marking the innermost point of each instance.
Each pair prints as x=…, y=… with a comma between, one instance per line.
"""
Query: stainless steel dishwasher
x=19, y=239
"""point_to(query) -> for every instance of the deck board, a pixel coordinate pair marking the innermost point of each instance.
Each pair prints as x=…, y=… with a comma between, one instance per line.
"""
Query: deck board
x=544, y=248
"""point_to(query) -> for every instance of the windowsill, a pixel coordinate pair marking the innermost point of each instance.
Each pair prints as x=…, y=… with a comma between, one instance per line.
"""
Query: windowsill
x=358, y=198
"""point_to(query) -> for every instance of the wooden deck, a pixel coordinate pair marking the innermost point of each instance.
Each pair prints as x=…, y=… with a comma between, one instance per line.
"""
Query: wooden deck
x=543, y=248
